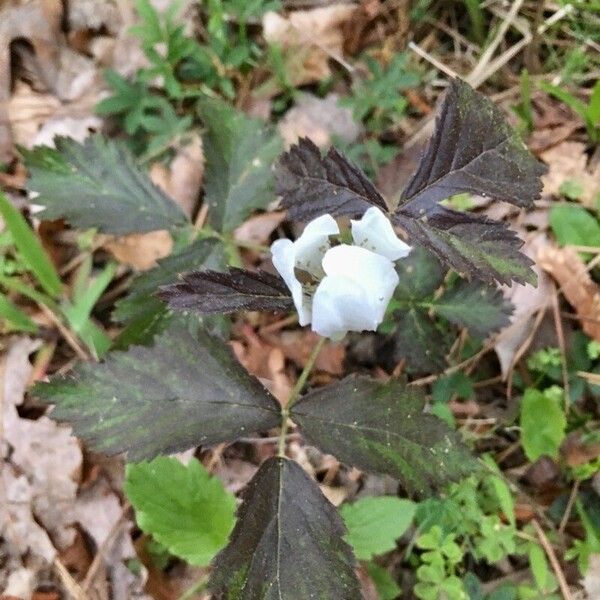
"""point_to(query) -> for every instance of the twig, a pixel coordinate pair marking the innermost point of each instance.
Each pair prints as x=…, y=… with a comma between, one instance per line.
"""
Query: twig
x=560, y=576
x=69, y=337
x=486, y=57
x=431, y=59
x=104, y=548
x=560, y=336
x=569, y=507
x=72, y=587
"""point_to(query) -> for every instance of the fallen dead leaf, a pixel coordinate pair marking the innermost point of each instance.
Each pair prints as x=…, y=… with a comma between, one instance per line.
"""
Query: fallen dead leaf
x=319, y=119
x=576, y=453
x=569, y=162
x=258, y=228
x=182, y=179
x=527, y=300
x=140, y=250
x=308, y=38
x=567, y=268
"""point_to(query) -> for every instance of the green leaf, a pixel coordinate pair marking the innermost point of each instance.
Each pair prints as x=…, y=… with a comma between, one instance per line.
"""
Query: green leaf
x=387, y=588
x=30, y=248
x=538, y=565
x=239, y=154
x=287, y=543
x=381, y=427
x=375, y=523
x=183, y=507
x=480, y=308
x=419, y=342
x=185, y=391
x=15, y=319
x=455, y=383
x=543, y=424
x=420, y=275
x=573, y=225
x=97, y=184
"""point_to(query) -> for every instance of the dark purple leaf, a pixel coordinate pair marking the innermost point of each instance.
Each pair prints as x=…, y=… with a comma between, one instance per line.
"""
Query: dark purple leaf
x=381, y=427
x=473, y=246
x=287, y=543
x=212, y=292
x=473, y=149
x=312, y=185
x=185, y=391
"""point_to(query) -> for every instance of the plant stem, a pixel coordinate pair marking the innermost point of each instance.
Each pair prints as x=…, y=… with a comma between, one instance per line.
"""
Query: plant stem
x=295, y=394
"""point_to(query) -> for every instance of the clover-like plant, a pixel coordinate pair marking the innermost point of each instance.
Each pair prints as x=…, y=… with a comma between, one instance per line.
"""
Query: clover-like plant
x=188, y=389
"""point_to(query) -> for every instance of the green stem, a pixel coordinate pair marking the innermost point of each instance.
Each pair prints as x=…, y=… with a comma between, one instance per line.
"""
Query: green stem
x=295, y=394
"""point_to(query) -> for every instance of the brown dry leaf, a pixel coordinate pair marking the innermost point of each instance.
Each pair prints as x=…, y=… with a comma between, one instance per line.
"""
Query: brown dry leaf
x=309, y=38
x=575, y=452
x=318, y=119
x=258, y=228
x=568, y=162
x=527, y=300
x=140, y=250
x=40, y=477
x=297, y=346
x=567, y=268
x=182, y=179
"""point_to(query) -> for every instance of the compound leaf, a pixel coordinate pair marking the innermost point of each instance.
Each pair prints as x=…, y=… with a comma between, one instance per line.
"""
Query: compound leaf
x=381, y=427
x=97, y=184
x=473, y=149
x=375, y=523
x=287, y=543
x=239, y=155
x=182, y=506
x=311, y=185
x=472, y=245
x=183, y=392
x=212, y=292
x=482, y=309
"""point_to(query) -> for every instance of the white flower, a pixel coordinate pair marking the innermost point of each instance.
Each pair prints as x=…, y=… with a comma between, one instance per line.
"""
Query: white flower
x=351, y=284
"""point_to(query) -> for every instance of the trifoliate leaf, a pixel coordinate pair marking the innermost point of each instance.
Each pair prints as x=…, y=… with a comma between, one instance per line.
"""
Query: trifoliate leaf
x=240, y=152
x=211, y=292
x=473, y=149
x=375, y=523
x=141, y=301
x=287, y=543
x=97, y=184
x=311, y=185
x=381, y=427
x=420, y=275
x=472, y=245
x=482, y=309
x=543, y=424
x=182, y=506
x=419, y=342
x=183, y=392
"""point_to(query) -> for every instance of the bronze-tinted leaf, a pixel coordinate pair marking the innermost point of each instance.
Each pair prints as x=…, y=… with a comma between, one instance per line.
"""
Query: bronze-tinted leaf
x=381, y=427
x=184, y=391
x=473, y=149
x=312, y=185
x=211, y=292
x=472, y=245
x=287, y=543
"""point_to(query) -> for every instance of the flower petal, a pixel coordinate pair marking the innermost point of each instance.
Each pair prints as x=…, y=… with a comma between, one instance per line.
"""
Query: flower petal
x=355, y=292
x=284, y=260
x=375, y=232
x=313, y=243
x=339, y=306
